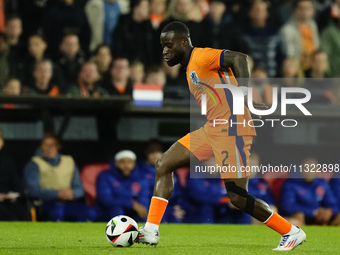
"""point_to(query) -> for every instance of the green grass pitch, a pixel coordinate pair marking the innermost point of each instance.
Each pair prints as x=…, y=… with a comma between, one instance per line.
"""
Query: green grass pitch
x=89, y=238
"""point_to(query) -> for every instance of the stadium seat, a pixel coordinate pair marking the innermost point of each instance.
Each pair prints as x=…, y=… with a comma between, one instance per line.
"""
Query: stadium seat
x=89, y=177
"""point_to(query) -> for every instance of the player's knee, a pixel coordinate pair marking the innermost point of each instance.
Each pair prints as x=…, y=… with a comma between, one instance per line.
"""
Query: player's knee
x=160, y=165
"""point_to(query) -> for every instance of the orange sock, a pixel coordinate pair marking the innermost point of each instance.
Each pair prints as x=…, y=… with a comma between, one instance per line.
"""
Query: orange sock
x=157, y=209
x=279, y=224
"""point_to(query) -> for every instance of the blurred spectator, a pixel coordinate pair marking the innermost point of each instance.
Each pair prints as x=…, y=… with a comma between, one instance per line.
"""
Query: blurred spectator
x=88, y=83
x=137, y=72
x=4, y=52
x=292, y=74
x=12, y=87
x=329, y=14
x=156, y=75
x=153, y=151
x=134, y=37
x=180, y=10
x=320, y=88
x=65, y=17
x=36, y=52
x=71, y=58
x=11, y=189
x=262, y=40
x=215, y=25
x=31, y=12
x=54, y=179
x=176, y=84
x=262, y=89
x=259, y=187
x=103, y=17
x=103, y=59
x=335, y=186
x=121, y=189
x=118, y=82
x=175, y=75
x=300, y=32
x=194, y=10
x=13, y=31
x=158, y=10
x=309, y=200
x=319, y=66
x=42, y=80
x=330, y=44
x=291, y=69
x=7, y=8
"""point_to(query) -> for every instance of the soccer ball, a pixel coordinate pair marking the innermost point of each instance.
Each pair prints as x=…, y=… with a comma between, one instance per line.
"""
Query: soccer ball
x=121, y=231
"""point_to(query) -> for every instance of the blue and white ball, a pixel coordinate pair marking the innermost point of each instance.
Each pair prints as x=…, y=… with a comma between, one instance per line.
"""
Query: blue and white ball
x=121, y=231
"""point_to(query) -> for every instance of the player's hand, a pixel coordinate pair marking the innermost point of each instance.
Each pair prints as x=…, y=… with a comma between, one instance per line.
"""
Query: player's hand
x=66, y=194
x=323, y=215
x=257, y=105
x=140, y=209
x=178, y=212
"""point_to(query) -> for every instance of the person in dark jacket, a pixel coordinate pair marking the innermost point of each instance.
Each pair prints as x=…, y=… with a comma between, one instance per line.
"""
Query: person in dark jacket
x=65, y=17
x=335, y=186
x=309, y=199
x=11, y=189
x=36, y=53
x=217, y=27
x=54, y=179
x=42, y=83
x=118, y=82
x=122, y=189
x=134, y=37
x=153, y=151
x=262, y=41
x=71, y=58
x=89, y=84
x=17, y=47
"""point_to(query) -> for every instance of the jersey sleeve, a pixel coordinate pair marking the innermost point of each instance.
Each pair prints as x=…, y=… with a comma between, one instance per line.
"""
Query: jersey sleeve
x=211, y=59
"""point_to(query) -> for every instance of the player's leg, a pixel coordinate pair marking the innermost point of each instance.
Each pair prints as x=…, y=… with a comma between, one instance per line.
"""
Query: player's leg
x=237, y=190
x=176, y=156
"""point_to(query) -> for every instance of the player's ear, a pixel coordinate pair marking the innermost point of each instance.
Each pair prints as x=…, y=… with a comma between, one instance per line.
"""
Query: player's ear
x=185, y=42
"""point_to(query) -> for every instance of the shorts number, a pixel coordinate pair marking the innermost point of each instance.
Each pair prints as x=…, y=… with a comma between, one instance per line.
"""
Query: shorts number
x=225, y=158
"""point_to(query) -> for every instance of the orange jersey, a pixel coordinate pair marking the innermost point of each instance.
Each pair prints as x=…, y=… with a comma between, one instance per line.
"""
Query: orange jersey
x=204, y=70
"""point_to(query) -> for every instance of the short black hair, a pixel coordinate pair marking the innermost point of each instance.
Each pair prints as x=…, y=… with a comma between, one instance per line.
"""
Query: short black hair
x=153, y=144
x=178, y=28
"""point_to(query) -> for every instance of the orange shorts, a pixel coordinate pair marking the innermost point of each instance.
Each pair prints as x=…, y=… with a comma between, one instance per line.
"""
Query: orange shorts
x=231, y=153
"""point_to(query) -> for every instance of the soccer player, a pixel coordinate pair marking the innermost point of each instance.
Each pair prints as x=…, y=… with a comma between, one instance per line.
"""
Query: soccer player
x=228, y=144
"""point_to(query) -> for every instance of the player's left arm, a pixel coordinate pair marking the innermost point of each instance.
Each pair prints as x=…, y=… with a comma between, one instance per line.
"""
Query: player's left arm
x=238, y=62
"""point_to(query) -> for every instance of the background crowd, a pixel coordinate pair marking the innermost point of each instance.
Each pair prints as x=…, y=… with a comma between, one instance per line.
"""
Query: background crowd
x=54, y=190
x=102, y=47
